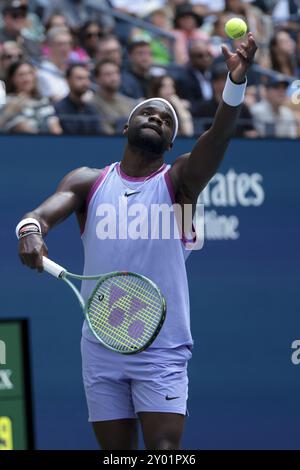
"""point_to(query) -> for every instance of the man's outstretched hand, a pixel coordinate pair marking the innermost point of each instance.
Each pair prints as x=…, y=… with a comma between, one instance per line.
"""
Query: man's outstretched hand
x=239, y=62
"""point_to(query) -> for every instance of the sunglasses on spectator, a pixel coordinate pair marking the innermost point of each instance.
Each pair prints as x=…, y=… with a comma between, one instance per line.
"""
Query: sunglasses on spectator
x=91, y=34
x=200, y=55
x=12, y=56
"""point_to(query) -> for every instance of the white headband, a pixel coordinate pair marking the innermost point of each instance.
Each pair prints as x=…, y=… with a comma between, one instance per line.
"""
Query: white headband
x=173, y=112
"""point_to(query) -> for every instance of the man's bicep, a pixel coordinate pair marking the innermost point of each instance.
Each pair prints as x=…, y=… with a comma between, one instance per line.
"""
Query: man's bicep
x=55, y=209
x=69, y=197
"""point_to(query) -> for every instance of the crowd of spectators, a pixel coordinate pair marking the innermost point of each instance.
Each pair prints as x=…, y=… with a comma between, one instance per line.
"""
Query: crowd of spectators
x=73, y=67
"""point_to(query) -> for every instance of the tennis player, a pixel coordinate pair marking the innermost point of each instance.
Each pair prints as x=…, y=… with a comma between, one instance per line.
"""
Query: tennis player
x=151, y=386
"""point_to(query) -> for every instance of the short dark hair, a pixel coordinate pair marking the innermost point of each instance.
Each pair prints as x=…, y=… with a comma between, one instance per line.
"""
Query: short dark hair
x=73, y=66
x=13, y=5
x=103, y=62
x=137, y=43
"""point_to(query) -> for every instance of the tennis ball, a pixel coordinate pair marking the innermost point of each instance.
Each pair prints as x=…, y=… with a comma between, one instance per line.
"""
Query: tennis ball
x=235, y=28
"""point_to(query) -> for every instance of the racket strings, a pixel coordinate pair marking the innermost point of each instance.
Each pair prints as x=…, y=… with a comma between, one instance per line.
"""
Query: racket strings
x=124, y=305
x=112, y=319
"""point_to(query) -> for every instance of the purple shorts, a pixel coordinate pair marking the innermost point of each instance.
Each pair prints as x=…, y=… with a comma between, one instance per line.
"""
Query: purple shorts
x=120, y=386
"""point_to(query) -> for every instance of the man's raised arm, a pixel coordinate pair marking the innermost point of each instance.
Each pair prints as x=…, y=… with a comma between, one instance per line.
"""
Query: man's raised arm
x=195, y=171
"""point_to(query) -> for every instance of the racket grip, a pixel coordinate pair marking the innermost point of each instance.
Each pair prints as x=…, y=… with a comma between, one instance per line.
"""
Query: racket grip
x=52, y=268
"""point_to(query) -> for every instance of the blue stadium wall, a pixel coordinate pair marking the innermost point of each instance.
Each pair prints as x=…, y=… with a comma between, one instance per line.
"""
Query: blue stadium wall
x=244, y=286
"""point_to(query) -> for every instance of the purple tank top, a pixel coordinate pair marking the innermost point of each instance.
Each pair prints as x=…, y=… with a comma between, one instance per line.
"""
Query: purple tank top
x=114, y=242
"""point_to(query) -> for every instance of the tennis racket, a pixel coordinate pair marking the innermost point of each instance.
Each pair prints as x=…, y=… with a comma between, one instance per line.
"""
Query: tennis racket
x=125, y=311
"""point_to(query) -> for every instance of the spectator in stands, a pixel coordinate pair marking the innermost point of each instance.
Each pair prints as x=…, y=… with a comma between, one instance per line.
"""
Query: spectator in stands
x=57, y=20
x=26, y=111
x=283, y=53
x=14, y=15
x=271, y=117
x=51, y=75
x=10, y=52
x=75, y=115
x=164, y=87
x=283, y=9
x=113, y=107
x=218, y=34
x=219, y=25
x=78, y=12
x=161, y=47
x=135, y=79
x=258, y=23
x=77, y=53
x=298, y=53
x=137, y=8
x=109, y=48
x=205, y=111
x=186, y=24
x=90, y=34
x=194, y=81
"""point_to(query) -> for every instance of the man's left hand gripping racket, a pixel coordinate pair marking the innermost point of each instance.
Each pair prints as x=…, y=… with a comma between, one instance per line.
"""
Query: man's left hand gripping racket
x=125, y=310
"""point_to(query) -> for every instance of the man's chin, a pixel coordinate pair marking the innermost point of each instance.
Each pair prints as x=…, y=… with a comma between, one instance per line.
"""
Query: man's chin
x=147, y=142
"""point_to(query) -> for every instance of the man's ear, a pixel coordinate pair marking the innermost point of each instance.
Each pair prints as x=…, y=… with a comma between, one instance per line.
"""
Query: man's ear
x=125, y=130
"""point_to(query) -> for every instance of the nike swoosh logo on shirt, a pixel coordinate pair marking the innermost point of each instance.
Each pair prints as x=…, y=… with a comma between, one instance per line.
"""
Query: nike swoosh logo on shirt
x=171, y=398
x=131, y=194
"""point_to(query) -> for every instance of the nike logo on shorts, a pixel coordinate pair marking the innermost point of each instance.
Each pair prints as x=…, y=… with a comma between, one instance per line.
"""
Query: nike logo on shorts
x=171, y=398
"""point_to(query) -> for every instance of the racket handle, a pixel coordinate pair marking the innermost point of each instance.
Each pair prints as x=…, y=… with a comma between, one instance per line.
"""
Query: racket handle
x=52, y=268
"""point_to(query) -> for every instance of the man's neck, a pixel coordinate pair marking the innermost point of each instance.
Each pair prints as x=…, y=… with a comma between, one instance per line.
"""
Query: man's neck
x=275, y=108
x=76, y=99
x=136, y=162
x=138, y=71
x=60, y=64
x=201, y=71
x=108, y=95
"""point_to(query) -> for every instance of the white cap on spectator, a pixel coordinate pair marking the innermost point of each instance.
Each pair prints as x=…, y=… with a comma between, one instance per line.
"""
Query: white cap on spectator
x=167, y=103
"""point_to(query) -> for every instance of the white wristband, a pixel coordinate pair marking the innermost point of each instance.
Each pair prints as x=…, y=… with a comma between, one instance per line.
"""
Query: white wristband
x=26, y=222
x=233, y=93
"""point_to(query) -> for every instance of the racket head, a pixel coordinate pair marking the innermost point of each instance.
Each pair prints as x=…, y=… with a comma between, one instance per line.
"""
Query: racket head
x=125, y=312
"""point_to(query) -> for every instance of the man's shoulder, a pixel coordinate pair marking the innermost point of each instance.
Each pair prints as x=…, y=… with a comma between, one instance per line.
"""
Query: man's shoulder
x=90, y=108
x=63, y=104
x=126, y=99
x=81, y=179
x=48, y=67
x=128, y=74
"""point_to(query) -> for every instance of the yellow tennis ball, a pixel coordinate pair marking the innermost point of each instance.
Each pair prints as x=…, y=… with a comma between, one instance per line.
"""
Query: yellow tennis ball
x=235, y=28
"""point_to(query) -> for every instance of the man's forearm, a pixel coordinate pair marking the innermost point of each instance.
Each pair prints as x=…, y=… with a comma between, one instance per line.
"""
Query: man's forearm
x=229, y=109
x=210, y=148
x=225, y=122
x=35, y=215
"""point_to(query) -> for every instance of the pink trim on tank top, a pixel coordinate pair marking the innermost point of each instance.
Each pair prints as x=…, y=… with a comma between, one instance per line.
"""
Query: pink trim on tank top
x=138, y=178
x=92, y=192
x=169, y=184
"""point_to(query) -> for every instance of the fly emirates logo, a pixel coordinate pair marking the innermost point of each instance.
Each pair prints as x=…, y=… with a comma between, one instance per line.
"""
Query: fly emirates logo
x=229, y=191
